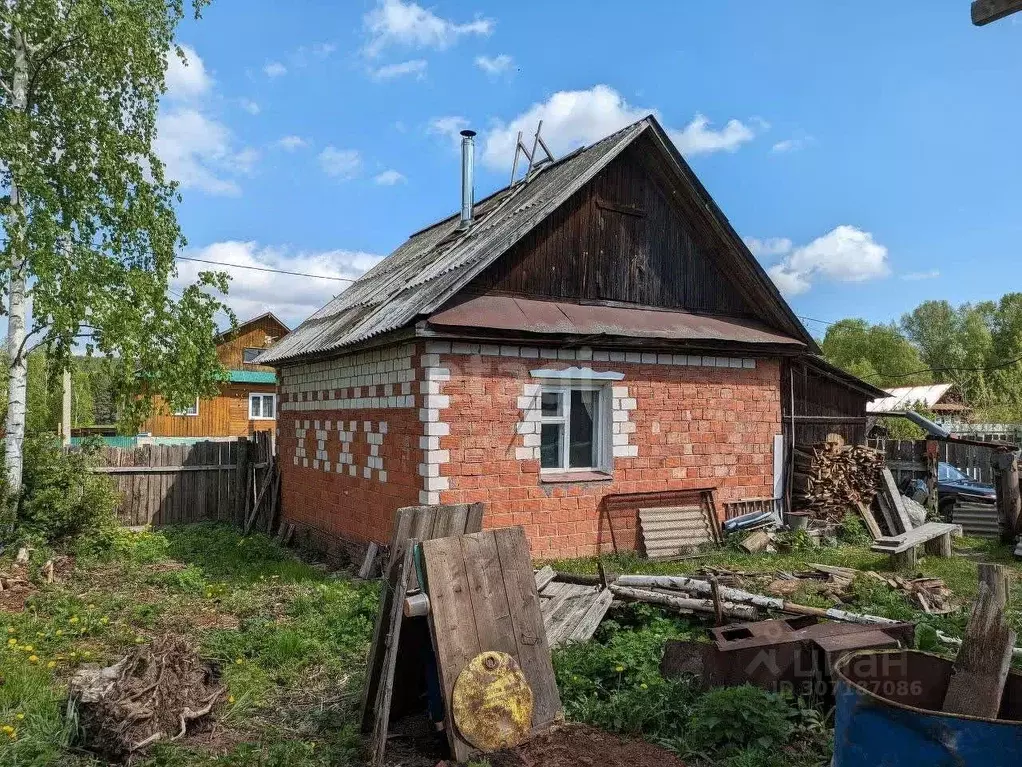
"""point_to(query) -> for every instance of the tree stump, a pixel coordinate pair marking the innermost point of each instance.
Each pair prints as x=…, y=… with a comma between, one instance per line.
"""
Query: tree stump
x=939, y=547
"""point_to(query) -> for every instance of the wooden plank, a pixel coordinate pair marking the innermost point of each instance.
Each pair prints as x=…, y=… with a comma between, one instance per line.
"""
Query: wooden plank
x=899, y=543
x=392, y=643
x=489, y=597
x=474, y=523
x=869, y=520
x=988, y=11
x=889, y=488
x=543, y=577
x=598, y=608
x=570, y=613
x=533, y=651
x=367, y=563
x=981, y=668
x=452, y=625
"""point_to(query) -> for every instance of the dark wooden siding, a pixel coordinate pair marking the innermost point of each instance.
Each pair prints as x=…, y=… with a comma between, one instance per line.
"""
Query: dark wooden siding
x=624, y=237
x=823, y=406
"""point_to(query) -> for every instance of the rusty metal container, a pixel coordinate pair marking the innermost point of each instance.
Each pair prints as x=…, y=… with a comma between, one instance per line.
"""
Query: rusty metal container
x=888, y=713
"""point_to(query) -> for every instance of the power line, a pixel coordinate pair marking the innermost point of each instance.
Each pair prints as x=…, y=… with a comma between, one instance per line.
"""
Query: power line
x=981, y=369
x=813, y=319
x=265, y=269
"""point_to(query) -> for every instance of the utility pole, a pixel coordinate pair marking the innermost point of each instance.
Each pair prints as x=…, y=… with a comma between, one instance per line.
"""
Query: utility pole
x=987, y=11
x=65, y=414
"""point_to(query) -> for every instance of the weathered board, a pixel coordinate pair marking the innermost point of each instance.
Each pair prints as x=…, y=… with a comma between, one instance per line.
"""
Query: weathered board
x=483, y=597
x=572, y=612
x=410, y=523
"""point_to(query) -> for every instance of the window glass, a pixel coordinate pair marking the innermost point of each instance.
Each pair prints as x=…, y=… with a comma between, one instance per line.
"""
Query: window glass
x=581, y=452
x=249, y=355
x=550, y=445
x=192, y=410
x=551, y=403
x=254, y=407
x=268, y=402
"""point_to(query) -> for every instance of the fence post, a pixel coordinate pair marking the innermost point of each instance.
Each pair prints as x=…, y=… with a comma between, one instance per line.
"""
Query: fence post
x=1009, y=500
x=932, y=463
x=241, y=480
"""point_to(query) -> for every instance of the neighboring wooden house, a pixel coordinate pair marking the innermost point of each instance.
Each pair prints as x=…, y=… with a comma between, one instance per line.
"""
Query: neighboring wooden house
x=593, y=340
x=247, y=403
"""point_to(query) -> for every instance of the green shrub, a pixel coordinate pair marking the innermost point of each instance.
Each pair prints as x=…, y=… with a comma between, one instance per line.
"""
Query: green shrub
x=853, y=531
x=731, y=719
x=62, y=500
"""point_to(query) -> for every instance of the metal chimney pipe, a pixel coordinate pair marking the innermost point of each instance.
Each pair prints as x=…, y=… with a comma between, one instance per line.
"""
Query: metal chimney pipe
x=468, y=146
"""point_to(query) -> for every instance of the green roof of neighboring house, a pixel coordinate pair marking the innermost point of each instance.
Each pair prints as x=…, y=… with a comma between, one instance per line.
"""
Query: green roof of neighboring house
x=252, y=376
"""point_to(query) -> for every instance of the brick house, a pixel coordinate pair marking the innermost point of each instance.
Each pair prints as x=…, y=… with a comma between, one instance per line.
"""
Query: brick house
x=592, y=338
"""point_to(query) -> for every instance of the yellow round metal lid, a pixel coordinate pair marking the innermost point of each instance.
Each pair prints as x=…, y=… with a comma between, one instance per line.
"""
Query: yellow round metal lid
x=492, y=702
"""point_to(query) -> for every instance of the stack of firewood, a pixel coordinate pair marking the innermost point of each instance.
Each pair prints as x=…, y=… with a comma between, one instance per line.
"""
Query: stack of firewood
x=830, y=480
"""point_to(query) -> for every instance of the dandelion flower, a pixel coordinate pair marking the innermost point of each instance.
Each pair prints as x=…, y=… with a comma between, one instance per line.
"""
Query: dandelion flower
x=28, y=648
x=60, y=632
x=619, y=669
x=33, y=658
x=239, y=661
x=19, y=716
x=104, y=620
x=7, y=728
x=73, y=619
x=51, y=664
x=11, y=630
x=12, y=642
x=230, y=699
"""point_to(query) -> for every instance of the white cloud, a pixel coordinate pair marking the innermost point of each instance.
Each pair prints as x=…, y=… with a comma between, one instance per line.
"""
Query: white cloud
x=788, y=145
x=416, y=67
x=186, y=79
x=292, y=298
x=198, y=152
x=771, y=246
x=844, y=254
x=390, y=178
x=918, y=276
x=495, y=65
x=322, y=50
x=450, y=126
x=574, y=118
x=274, y=69
x=291, y=143
x=394, y=22
x=340, y=163
x=249, y=106
x=699, y=137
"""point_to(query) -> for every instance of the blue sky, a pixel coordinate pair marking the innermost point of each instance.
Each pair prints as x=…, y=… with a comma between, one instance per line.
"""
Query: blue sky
x=868, y=151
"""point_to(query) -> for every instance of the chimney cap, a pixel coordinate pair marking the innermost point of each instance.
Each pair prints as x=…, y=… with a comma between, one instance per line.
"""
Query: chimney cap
x=468, y=133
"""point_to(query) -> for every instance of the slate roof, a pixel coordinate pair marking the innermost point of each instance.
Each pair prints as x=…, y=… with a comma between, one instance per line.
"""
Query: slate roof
x=433, y=264
x=904, y=397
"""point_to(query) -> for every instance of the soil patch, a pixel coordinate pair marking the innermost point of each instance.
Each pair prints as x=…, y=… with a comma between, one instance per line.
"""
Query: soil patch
x=581, y=746
x=157, y=692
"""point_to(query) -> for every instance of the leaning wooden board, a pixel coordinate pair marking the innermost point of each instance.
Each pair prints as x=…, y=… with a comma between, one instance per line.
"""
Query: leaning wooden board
x=483, y=597
x=410, y=523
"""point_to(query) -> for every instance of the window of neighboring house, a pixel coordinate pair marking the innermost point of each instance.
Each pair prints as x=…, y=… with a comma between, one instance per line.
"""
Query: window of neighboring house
x=248, y=355
x=574, y=424
x=262, y=406
x=192, y=410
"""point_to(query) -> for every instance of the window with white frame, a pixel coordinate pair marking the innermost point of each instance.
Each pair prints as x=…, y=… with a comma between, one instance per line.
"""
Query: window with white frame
x=574, y=428
x=262, y=406
x=191, y=410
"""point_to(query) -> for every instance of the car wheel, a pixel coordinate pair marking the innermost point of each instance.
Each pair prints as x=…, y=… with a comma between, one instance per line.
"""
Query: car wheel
x=946, y=508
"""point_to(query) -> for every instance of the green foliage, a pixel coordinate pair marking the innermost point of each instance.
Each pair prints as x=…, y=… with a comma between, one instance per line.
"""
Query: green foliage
x=795, y=541
x=853, y=530
x=731, y=719
x=879, y=354
x=62, y=501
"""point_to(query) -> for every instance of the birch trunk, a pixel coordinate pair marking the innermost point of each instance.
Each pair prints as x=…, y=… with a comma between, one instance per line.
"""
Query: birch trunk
x=14, y=436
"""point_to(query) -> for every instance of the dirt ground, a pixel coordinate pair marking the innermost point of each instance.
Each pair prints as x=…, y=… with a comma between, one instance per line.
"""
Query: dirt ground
x=581, y=746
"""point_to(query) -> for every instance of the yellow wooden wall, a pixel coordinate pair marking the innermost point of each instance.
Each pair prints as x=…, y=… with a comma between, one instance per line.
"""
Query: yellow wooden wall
x=255, y=335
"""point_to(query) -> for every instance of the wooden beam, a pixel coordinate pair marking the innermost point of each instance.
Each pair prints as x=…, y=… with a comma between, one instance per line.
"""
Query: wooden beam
x=987, y=11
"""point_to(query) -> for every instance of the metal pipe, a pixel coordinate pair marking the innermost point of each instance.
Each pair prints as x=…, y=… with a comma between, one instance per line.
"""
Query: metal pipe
x=467, y=177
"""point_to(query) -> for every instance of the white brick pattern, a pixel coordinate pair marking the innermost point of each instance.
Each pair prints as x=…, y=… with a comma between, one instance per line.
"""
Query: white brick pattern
x=528, y=427
x=345, y=462
x=592, y=355
x=433, y=427
x=623, y=428
x=381, y=378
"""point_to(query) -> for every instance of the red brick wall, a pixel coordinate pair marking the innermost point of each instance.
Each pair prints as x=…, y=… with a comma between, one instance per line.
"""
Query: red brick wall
x=695, y=427
x=334, y=509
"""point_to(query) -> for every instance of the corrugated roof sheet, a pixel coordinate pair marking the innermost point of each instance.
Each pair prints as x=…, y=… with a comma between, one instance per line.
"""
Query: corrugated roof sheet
x=252, y=376
x=421, y=274
x=903, y=398
x=566, y=318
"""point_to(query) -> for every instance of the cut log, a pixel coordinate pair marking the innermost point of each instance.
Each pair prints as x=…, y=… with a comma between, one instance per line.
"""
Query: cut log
x=981, y=668
x=685, y=604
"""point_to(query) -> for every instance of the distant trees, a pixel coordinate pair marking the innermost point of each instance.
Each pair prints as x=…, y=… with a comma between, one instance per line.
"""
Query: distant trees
x=972, y=345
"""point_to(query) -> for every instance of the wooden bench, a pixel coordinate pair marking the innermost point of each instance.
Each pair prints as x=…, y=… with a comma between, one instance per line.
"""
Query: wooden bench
x=935, y=536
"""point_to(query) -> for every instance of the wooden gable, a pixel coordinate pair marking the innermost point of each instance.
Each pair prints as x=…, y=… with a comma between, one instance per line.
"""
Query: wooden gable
x=258, y=333
x=628, y=236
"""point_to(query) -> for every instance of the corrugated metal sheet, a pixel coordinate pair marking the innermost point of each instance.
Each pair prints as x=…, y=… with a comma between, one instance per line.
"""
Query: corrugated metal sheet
x=531, y=316
x=905, y=397
x=420, y=275
x=672, y=530
x=252, y=376
x=977, y=519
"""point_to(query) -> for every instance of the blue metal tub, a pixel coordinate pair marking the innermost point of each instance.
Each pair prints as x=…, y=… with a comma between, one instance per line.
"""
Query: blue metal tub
x=888, y=715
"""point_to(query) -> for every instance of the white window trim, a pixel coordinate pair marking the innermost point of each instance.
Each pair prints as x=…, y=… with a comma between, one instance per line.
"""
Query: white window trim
x=602, y=425
x=185, y=412
x=262, y=417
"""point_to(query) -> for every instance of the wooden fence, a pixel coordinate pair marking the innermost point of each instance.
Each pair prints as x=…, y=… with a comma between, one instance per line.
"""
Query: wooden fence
x=906, y=458
x=174, y=484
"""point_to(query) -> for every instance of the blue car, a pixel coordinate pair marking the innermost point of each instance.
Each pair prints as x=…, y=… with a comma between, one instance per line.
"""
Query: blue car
x=951, y=483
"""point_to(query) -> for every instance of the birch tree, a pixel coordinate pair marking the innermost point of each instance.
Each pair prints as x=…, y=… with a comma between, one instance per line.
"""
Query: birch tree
x=87, y=214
